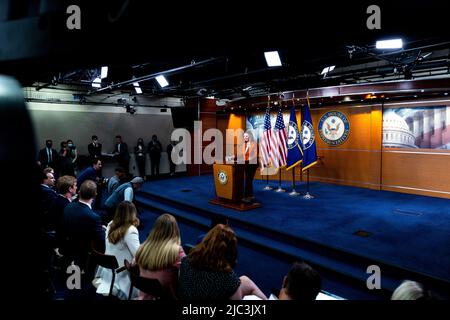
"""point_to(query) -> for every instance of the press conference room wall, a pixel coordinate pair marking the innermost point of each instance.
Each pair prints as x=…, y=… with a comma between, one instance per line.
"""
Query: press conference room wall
x=361, y=160
x=60, y=122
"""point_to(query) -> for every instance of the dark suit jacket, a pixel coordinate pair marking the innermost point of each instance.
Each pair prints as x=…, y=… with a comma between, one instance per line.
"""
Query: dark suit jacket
x=87, y=174
x=47, y=197
x=43, y=159
x=81, y=227
x=56, y=216
x=95, y=152
x=123, y=154
x=154, y=148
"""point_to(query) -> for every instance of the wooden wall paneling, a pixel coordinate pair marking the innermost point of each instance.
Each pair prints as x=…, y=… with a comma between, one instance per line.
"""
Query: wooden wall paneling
x=354, y=161
x=419, y=171
x=207, y=115
x=376, y=127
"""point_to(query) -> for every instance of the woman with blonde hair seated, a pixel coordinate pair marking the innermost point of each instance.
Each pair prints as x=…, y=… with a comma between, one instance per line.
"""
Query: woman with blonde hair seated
x=122, y=241
x=159, y=257
x=207, y=272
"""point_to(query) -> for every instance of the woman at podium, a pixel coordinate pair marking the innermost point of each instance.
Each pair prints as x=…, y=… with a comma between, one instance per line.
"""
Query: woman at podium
x=249, y=155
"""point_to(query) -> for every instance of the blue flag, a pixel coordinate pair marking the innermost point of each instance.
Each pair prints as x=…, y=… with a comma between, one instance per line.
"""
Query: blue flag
x=308, y=139
x=295, y=153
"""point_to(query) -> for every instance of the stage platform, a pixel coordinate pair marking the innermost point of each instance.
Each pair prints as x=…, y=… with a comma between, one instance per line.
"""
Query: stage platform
x=342, y=231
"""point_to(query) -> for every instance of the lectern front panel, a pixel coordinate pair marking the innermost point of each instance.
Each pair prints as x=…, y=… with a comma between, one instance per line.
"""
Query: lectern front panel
x=223, y=180
x=229, y=185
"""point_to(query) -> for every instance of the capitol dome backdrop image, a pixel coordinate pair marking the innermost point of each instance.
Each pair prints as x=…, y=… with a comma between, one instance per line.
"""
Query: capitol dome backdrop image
x=427, y=128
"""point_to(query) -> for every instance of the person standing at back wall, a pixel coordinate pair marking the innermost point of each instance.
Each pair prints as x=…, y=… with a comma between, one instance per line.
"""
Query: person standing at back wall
x=154, y=150
x=172, y=165
x=121, y=152
x=48, y=157
x=139, y=154
x=95, y=148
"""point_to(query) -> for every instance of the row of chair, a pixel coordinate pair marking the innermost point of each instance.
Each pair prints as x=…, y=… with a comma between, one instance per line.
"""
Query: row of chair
x=150, y=286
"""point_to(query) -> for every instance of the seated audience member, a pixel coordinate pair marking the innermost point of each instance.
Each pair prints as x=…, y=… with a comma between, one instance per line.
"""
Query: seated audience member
x=67, y=188
x=159, y=257
x=125, y=192
x=301, y=283
x=82, y=225
x=122, y=241
x=411, y=290
x=116, y=180
x=49, y=170
x=47, y=192
x=207, y=272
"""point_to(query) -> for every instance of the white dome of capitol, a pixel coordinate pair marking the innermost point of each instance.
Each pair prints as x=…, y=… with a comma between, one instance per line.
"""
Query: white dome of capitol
x=392, y=121
x=396, y=132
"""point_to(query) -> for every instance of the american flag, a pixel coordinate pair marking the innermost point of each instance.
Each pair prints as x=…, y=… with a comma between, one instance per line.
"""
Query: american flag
x=279, y=148
x=266, y=141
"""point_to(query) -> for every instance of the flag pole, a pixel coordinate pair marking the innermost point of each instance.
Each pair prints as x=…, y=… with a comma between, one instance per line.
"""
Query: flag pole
x=267, y=187
x=293, y=192
x=279, y=189
x=307, y=195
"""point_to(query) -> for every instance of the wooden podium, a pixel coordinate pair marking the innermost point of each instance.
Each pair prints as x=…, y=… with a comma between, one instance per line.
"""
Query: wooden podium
x=229, y=186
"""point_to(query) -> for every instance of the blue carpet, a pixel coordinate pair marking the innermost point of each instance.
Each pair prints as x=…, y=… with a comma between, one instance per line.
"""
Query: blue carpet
x=408, y=231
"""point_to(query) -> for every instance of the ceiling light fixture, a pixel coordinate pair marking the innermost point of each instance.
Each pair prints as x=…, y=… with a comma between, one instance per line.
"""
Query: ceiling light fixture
x=389, y=44
x=272, y=58
x=104, y=72
x=162, y=81
x=327, y=70
x=137, y=87
x=97, y=83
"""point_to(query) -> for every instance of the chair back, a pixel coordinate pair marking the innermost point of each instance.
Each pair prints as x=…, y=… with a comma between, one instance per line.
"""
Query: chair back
x=105, y=260
x=108, y=262
x=147, y=285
